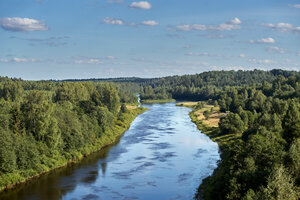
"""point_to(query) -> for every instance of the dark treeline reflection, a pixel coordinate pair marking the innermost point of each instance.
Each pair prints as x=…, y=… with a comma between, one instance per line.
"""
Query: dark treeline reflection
x=58, y=183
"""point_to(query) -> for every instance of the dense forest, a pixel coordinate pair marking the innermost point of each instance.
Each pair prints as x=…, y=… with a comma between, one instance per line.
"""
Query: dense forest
x=262, y=161
x=204, y=86
x=46, y=124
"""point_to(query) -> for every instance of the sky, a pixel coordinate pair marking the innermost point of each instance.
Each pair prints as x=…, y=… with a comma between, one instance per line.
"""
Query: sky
x=63, y=39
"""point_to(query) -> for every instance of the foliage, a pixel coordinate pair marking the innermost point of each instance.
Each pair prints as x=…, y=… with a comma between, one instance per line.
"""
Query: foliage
x=46, y=124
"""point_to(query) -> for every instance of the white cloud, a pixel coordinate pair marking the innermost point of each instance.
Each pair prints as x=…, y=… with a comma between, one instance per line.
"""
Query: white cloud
x=4, y=60
x=298, y=53
x=217, y=36
x=283, y=27
x=227, y=26
x=264, y=61
x=18, y=24
x=109, y=20
x=198, y=54
x=236, y=21
x=88, y=61
x=296, y=6
x=275, y=49
x=144, y=5
x=110, y=57
x=150, y=23
x=263, y=41
x=205, y=54
x=242, y=55
x=17, y=60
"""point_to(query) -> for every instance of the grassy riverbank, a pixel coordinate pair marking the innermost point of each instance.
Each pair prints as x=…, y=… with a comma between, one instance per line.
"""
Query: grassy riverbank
x=10, y=180
x=207, y=118
x=157, y=100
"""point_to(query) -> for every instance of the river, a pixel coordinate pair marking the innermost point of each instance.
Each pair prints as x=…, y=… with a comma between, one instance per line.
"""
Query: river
x=162, y=156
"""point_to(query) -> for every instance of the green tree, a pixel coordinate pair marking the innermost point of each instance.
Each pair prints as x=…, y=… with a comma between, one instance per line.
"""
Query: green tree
x=280, y=186
x=291, y=122
x=231, y=124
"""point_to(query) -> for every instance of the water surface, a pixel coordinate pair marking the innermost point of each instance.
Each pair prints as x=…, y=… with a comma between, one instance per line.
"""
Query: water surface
x=162, y=156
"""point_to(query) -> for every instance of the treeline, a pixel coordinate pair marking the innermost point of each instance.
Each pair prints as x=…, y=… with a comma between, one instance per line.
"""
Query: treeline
x=46, y=124
x=263, y=161
x=207, y=85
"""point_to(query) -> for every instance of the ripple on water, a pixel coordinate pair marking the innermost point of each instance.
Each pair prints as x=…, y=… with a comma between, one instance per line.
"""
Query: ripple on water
x=90, y=197
x=163, y=157
x=160, y=146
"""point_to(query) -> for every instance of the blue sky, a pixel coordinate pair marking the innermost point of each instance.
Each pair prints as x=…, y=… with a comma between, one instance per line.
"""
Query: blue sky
x=59, y=39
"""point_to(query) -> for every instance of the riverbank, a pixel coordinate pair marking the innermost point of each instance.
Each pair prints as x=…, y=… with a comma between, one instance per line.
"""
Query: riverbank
x=157, y=100
x=11, y=180
x=207, y=118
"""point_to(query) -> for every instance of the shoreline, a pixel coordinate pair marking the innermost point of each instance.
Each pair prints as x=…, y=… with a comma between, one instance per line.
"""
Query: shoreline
x=117, y=131
x=158, y=100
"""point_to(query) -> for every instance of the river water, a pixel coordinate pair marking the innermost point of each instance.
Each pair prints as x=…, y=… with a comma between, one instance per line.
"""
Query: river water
x=162, y=156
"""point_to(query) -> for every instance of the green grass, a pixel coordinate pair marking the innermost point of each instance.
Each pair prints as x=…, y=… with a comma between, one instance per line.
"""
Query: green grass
x=212, y=132
x=157, y=100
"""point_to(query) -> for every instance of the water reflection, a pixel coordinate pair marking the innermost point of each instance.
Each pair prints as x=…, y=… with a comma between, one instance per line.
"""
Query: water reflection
x=162, y=156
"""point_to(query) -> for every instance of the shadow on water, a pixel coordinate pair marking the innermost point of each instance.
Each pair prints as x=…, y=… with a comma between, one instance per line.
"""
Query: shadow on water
x=64, y=179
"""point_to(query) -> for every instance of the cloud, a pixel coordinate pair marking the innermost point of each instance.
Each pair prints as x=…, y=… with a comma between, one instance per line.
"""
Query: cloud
x=198, y=54
x=242, y=55
x=115, y=1
x=150, y=23
x=296, y=5
x=264, y=61
x=263, y=41
x=94, y=60
x=298, y=53
x=143, y=5
x=217, y=36
x=17, y=24
x=88, y=61
x=205, y=54
x=109, y=20
x=227, y=26
x=283, y=27
x=236, y=21
x=4, y=60
x=17, y=60
x=275, y=50
x=50, y=41
x=110, y=57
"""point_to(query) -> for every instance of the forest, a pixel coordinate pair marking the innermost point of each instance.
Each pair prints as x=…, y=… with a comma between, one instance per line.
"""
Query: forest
x=48, y=124
x=45, y=124
x=262, y=160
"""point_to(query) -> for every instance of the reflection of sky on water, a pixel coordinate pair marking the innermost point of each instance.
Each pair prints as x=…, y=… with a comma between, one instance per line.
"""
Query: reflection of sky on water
x=162, y=156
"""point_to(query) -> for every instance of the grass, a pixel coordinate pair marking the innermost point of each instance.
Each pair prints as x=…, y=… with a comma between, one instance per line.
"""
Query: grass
x=157, y=100
x=187, y=104
x=209, y=124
